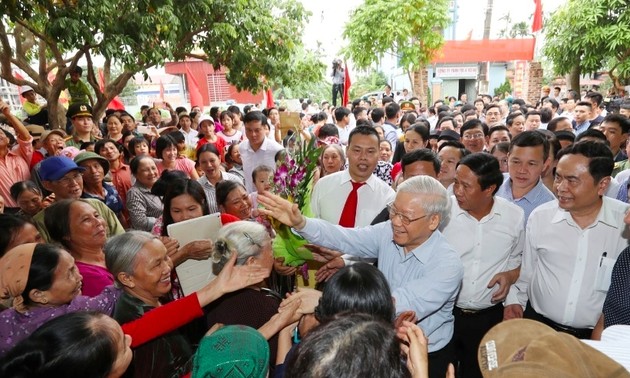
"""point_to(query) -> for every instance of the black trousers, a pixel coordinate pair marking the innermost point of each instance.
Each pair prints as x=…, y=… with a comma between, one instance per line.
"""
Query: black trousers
x=580, y=333
x=470, y=327
x=439, y=360
x=337, y=89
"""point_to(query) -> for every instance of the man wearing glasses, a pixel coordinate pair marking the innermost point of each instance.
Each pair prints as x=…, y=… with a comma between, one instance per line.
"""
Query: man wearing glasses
x=474, y=134
x=422, y=269
x=63, y=177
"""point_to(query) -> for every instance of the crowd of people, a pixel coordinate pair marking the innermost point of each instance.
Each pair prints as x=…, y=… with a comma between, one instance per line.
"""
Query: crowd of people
x=434, y=230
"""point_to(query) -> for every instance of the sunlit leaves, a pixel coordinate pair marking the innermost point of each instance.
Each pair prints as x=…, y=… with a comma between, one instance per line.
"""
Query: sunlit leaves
x=594, y=34
x=410, y=28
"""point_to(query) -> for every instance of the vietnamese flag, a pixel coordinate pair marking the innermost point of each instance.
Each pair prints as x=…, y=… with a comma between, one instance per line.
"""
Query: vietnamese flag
x=346, y=85
x=193, y=90
x=116, y=103
x=269, y=103
x=538, y=16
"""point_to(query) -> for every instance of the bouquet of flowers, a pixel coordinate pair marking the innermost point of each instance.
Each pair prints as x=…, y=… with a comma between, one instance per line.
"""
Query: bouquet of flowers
x=293, y=180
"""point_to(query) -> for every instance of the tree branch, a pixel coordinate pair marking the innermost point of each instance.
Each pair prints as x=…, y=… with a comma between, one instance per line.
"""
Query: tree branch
x=53, y=46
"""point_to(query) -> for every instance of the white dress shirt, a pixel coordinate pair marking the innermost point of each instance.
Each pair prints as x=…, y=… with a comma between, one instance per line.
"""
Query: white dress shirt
x=489, y=246
x=191, y=137
x=330, y=194
x=265, y=155
x=561, y=262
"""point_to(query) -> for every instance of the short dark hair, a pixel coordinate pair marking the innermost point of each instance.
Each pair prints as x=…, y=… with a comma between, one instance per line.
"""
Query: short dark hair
x=519, y=101
x=22, y=186
x=499, y=128
x=162, y=143
x=178, y=188
x=552, y=101
x=341, y=112
x=167, y=179
x=531, y=139
x=553, y=124
x=473, y=124
x=235, y=110
x=601, y=160
x=511, y=117
x=71, y=345
x=134, y=164
x=592, y=133
x=585, y=103
x=565, y=135
x=532, y=112
x=254, y=116
x=490, y=106
x=10, y=225
x=377, y=114
x=357, y=110
x=223, y=189
x=391, y=110
x=501, y=147
x=208, y=147
x=363, y=130
x=487, y=169
x=327, y=129
x=99, y=145
x=595, y=97
x=359, y=287
x=463, y=151
x=135, y=141
x=620, y=120
x=422, y=154
x=57, y=220
x=354, y=345
x=420, y=129
x=546, y=115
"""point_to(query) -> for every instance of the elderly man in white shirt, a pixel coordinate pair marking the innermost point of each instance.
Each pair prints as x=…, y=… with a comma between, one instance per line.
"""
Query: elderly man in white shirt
x=571, y=245
x=488, y=233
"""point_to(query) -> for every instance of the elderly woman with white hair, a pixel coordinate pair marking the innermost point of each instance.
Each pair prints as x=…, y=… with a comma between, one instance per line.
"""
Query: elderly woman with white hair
x=254, y=305
x=142, y=268
x=423, y=270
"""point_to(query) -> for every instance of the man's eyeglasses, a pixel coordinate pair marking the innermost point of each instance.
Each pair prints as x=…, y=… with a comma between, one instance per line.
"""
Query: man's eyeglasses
x=403, y=218
x=67, y=180
x=473, y=136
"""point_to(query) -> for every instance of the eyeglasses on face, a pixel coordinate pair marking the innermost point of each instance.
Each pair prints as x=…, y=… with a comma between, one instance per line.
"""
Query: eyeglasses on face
x=403, y=218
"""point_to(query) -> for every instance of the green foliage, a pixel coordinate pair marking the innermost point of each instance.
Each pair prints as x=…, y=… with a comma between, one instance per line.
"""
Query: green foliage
x=255, y=40
x=590, y=34
x=372, y=82
x=502, y=89
x=410, y=28
x=310, y=70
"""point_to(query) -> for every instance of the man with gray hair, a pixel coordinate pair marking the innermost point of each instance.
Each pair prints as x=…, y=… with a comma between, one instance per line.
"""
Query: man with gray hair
x=423, y=270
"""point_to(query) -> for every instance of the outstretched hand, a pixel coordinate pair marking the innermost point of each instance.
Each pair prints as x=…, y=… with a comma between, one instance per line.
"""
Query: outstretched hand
x=281, y=209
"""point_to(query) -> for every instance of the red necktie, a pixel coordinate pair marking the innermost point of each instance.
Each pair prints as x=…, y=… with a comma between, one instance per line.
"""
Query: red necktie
x=349, y=212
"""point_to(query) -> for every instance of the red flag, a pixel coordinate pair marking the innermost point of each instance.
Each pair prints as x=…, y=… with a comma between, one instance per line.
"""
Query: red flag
x=20, y=77
x=538, y=17
x=116, y=103
x=346, y=85
x=161, y=91
x=269, y=103
x=193, y=90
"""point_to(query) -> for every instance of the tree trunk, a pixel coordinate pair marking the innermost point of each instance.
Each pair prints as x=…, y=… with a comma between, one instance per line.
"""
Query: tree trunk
x=574, y=78
x=419, y=85
x=56, y=111
x=482, y=82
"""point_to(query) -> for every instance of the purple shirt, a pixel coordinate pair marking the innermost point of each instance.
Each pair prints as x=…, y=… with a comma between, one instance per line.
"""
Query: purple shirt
x=14, y=326
x=95, y=278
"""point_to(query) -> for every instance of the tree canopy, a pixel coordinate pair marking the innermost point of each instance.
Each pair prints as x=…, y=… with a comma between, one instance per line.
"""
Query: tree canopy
x=254, y=39
x=411, y=29
x=586, y=36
